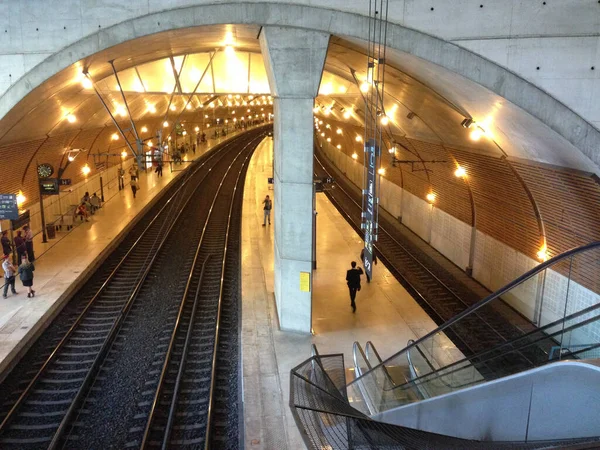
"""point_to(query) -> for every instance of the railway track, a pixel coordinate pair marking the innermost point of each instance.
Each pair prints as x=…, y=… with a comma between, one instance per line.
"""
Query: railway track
x=436, y=291
x=89, y=389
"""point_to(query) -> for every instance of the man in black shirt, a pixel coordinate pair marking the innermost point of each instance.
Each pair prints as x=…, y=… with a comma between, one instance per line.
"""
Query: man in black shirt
x=353, y=279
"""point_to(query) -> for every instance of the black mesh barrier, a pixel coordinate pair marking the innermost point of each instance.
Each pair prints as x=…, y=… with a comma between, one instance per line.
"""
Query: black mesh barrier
x=327, y=421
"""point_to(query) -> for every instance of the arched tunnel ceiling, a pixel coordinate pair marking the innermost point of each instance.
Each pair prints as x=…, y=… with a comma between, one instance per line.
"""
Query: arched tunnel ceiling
x=439, y=98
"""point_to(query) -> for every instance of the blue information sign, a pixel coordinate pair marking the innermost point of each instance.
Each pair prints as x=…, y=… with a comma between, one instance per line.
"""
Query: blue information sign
x=370, y=205
x=9, y=210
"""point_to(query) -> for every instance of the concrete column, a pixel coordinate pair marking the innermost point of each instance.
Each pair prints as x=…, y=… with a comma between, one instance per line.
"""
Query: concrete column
x=294, y=61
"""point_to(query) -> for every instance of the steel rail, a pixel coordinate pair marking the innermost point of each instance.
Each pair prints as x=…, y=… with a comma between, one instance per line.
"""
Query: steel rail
x=186, y=345
x=218, y=321
x=9, y=416
x=152, y=414
x=113, y=333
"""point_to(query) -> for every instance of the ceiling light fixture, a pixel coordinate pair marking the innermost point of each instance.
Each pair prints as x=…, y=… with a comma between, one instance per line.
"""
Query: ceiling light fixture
x=460, y=172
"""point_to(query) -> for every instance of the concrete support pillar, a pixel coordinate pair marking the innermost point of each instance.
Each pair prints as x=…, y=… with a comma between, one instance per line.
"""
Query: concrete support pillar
x=294, y=61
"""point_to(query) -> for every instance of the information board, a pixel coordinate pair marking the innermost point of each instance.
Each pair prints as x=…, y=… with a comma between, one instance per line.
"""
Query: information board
x=9, y=209
x=370, y=203
x=49, y=186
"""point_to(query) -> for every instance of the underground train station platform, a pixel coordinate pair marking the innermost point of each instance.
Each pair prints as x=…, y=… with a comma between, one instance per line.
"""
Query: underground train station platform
x=386, y=313
x=63, y=263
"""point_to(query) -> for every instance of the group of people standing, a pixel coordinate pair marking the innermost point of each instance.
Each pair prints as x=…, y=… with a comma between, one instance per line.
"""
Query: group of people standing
x=25, y=257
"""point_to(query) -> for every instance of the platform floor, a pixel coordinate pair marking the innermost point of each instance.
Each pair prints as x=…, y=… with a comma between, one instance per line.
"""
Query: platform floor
x=386, y=314
x=63, y=262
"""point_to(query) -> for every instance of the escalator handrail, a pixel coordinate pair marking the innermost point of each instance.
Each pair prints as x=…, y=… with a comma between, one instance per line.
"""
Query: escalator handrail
x=481, y=303
x=512, y=342
x=356, y=349
x=370, y=344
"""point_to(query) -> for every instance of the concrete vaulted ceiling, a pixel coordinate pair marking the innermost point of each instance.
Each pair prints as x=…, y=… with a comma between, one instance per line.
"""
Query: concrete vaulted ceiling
x=439, y=98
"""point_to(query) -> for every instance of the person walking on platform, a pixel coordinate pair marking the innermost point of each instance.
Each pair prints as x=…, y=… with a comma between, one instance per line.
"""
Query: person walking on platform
x=26, y=274
x=353, y=280
x=362, y=258
x=121, y=178
x=134, y=187
x=5, y=243
x=268, y=205
x=29, y=243
x=20, y=247
x=9, y=275
x=133, y=172
x=159, y=169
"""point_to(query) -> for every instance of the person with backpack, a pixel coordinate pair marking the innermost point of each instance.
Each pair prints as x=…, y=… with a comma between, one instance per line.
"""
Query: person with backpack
x=353, y=281
x=268, y=205
x=26, y=274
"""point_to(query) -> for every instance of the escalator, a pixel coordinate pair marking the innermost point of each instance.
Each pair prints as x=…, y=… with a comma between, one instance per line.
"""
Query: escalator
x=538, y=390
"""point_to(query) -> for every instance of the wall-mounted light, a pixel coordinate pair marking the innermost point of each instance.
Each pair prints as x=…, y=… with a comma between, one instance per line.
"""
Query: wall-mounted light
x=338, y=131
x=476, y=134
x=20, y=199
x=196, y=129
x=115, y=137
x=542, y=254
x=123, y=154
x=354, y=155
x=328, y=139
x=172, y=107
x=339, y=147
x=392, y=150
x=381, y=171
x=149, y=143
x=460, y=172
x=430, y=197
x=165, y=124
x=184, y=133
x=71, y=118
x=86, y=170
x=358, y=138
x=86, y=82
x=144, y=129
x=322, y=134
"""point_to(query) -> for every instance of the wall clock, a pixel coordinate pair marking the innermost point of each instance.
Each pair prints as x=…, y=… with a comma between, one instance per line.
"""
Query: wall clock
x=45, y=170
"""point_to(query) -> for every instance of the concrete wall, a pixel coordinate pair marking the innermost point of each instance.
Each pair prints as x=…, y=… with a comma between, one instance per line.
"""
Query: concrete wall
x=560, y=37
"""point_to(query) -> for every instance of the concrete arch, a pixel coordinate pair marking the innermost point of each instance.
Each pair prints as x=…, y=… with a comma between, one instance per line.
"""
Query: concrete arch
x=471, y=66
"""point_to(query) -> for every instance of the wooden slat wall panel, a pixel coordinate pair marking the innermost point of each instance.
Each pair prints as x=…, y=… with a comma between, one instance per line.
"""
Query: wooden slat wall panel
x=15, y=158
x=504, y=211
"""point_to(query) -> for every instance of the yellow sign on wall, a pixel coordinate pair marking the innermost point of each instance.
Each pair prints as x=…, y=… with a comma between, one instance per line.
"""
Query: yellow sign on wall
x=305, y=281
